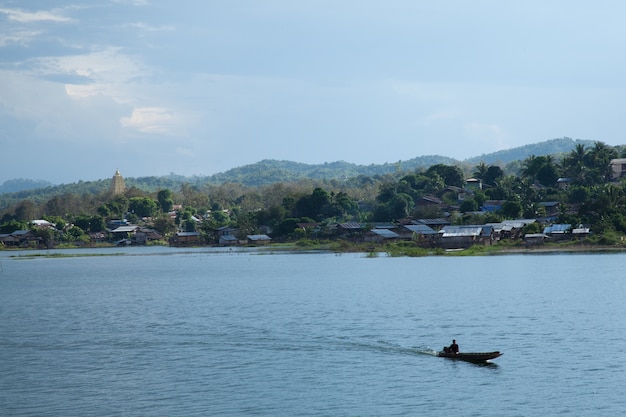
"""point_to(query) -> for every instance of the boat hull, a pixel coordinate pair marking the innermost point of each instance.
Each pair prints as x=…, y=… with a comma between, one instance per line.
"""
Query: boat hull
x=470, y=356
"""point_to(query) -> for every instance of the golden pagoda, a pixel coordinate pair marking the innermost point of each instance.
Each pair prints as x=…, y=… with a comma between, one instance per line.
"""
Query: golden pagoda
x=117, y=183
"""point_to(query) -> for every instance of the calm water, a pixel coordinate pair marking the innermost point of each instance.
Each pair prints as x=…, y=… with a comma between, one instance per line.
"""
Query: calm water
x=201, y=333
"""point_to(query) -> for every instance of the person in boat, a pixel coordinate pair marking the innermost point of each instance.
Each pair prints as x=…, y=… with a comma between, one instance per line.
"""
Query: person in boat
x=453, y=348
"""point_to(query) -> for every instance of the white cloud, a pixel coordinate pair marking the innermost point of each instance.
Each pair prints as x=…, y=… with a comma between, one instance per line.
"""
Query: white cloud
x=109, y=72
x=105, y=65
x=149, y=28
x=151, y=120
x=21, y=16
x=20, y=37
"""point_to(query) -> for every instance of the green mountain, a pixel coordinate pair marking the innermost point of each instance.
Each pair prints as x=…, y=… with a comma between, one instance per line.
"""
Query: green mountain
x=554, y=147
x=271, y=171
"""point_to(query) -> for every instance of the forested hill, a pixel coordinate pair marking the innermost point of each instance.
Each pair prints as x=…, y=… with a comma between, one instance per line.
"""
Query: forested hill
x=554, y=147
x=272, y=171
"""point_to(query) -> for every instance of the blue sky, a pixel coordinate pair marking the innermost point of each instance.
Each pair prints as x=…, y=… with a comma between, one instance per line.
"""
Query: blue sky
x=198, y=87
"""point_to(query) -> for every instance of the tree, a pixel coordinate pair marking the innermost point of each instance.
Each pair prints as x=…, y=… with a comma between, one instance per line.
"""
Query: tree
x=548, y=174
x=185, y=219
x=313, y=205
x=26, y=211
x=574, y=164
x=13, y=225
x=96, y=224
x=142, y=206
x=82, y=221
x=480, y=171
x=468, y=205
x=492, y=175
x=541, y=169
x=400, y=206
x=452, y=175
x=163, y=224
x=74, y=233
x=598, y=159
x=165, y=200
x=511, y=209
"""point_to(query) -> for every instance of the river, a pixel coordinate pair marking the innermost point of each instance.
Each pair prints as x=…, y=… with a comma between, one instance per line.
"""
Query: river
x=174, y=332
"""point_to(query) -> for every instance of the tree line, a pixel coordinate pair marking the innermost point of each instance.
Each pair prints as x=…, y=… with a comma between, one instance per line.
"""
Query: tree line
x=591, y=197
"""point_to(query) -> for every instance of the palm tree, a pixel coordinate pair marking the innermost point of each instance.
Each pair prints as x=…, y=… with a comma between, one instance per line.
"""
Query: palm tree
x=574, y=163
x=599, y=160
x=480, y=171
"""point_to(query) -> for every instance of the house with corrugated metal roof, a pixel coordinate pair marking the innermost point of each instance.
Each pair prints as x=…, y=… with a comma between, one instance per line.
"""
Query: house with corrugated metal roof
x=436, y=224
x=259, y=239
x=558, y=231
x=551, y=207
x=185, y=239
x=8, y=240
x=581, y=232
x=457, y=237
x=350, y=230
x=422, y=234
x=535, y=239
x=22, y=238
x=381, y=235
x=429, y=200
x=228, y=240
x=144, y=235
x=510, y=229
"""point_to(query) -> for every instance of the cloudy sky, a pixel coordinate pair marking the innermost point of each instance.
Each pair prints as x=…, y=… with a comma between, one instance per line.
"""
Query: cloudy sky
x=197, y=87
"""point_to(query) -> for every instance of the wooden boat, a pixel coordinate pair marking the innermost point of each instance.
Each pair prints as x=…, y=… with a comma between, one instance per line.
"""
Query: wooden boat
x=470, y=356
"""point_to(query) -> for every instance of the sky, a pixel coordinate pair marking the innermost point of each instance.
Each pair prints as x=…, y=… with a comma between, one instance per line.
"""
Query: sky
x=153, y=87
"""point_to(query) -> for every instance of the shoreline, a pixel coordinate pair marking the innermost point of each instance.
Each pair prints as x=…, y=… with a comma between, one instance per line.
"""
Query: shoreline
x=382, y=250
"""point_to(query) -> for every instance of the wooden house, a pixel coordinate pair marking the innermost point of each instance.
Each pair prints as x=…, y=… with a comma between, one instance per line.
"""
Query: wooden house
x=185, y=239
x=458, y=237
x=558, y=231
x=535, y=239
x=259, y=239
x=381, y=235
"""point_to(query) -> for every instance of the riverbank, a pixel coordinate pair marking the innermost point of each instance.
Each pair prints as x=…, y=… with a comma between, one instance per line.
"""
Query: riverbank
x=395, y=249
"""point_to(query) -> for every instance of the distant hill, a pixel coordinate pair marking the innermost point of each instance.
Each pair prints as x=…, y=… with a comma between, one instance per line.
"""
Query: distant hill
x=550, y=147
x=271, y=171
x=21, y=184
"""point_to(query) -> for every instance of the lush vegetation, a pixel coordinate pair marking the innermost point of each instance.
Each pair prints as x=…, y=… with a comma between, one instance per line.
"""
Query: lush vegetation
x=591, y=198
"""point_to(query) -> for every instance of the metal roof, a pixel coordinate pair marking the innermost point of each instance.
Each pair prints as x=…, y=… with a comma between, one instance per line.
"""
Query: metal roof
x=383, y=225
x=461, y=231
x=386, y=233
x=557, y=228
x=20, y=232
x=438, y=221
x=421, y=229
x=122, y=229
x=351, y=225
x=259, y=237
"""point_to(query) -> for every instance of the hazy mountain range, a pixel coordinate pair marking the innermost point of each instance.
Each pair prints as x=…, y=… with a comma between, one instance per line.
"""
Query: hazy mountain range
x=270, y=171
